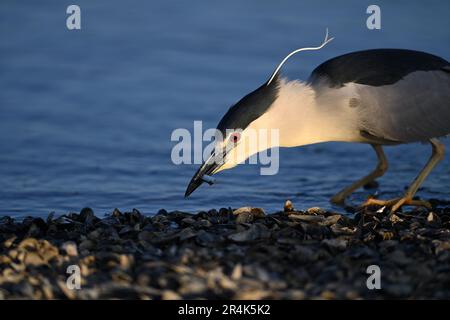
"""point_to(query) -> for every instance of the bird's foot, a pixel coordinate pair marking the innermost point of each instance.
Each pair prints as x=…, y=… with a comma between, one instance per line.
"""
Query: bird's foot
x=395, y=204
x=338, y=200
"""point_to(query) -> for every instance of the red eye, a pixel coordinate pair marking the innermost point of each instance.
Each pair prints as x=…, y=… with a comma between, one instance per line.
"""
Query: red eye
x=235, y=137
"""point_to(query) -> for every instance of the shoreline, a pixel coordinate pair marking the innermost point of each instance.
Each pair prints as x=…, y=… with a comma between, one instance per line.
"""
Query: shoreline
x=225, y=254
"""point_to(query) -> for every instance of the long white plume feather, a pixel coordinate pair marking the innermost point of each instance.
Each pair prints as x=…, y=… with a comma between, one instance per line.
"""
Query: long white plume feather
x=325, y=41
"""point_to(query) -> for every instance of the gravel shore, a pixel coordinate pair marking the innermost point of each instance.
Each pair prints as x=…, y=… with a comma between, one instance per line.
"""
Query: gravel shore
x=228, y=254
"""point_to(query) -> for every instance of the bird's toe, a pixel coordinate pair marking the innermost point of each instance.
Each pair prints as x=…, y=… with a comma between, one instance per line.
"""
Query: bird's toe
x=396, y=204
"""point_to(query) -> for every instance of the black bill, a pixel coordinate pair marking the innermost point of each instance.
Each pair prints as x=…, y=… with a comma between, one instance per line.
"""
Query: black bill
x=203, y=174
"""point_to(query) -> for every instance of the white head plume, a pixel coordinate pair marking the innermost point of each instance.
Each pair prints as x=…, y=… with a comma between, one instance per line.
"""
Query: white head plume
x=325, y=41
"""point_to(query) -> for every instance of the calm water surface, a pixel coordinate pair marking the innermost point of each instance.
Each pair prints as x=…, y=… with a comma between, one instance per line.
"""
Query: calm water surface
x=86, y=116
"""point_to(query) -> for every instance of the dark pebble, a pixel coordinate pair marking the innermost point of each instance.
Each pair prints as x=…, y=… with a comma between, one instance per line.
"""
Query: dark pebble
x=221, y=255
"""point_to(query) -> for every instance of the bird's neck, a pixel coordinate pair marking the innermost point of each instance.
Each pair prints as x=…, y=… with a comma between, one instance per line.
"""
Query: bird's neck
x=302, y=118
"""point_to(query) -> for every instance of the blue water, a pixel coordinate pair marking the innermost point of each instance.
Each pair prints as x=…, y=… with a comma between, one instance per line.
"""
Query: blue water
x=86, y=116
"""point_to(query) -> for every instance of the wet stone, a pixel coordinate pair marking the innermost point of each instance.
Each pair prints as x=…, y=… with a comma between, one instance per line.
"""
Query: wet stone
x=221, y=254
x=70, y=248
x=336, y=244
x=86, y=215
x=288, y=206
x=245, y=217
x=206, y=238
x=255, y=232
x=307, y=218
x=186, y=234
x=315, y=211
x=248, y=214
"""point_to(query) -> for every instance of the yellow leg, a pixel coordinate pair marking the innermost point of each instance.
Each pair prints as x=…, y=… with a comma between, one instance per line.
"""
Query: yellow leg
x=382, y=166
x=407, y=199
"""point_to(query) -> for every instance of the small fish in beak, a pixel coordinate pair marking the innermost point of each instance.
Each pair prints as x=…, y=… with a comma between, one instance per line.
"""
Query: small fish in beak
x=208, y=179
x=203, y=174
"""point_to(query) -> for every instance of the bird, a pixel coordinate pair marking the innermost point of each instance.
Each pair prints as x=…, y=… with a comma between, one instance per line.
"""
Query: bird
x=380, y=97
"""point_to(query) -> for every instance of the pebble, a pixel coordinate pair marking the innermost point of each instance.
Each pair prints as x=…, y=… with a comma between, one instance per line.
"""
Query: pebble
x=255, y=232
x=315, y=211
x=395, y=219
x=70, y=248
x=245, y=217
x=288, y=206
x=248, y=214
x=170, y=295
x=237, y=272
x=307, y=218
x=86, y=245
x=225, y=254
x=433, y=219
x=338, y=244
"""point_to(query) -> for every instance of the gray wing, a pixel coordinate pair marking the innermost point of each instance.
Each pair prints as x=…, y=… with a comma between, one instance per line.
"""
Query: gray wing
x=402, y=95
x=415, y=108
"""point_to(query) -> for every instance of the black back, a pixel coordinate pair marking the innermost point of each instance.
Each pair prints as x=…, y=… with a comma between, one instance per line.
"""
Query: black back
x=375, y=67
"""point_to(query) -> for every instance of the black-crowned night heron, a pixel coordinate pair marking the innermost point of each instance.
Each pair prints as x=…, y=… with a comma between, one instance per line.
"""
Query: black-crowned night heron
x=380, y=97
